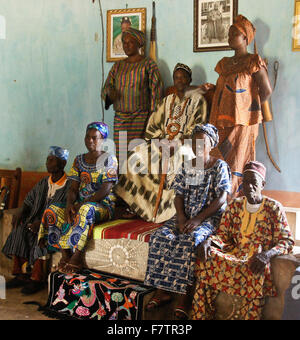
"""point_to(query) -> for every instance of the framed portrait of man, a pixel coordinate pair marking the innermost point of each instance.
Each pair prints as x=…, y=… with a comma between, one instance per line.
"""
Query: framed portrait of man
x=212, y=20
x=296, y=27
x=118, y=20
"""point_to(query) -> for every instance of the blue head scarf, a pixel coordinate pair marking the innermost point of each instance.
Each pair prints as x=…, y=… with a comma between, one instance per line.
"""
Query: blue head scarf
x=59, y=152
x=210, y=130
x=101, y=127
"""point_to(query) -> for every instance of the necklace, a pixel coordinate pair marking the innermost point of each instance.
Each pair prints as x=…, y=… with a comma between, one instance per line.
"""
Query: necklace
x=172, y=107
x=173, y=128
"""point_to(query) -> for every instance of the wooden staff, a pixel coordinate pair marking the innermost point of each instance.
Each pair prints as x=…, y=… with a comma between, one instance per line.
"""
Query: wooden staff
x=152, y=51
x=267, y=117
x=161, y=184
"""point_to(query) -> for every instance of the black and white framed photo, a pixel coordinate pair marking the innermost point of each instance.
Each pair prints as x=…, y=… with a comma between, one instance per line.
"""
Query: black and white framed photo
x=212, y=20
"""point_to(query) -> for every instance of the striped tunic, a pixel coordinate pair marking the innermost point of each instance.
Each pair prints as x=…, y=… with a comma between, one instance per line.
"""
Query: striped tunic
x=140, y=88
x=21, y=242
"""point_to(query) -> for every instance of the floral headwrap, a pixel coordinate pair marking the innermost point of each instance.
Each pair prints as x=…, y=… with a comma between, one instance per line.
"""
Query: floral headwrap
x=139, y=36
x=245, y=27
x=101, y=127
x=59, y=152
x=210, y=130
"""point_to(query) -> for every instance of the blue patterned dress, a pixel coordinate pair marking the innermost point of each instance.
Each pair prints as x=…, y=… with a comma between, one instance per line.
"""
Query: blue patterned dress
x=172, y=255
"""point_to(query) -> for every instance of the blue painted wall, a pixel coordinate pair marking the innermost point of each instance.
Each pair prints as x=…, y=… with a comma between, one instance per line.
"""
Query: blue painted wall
x=51, y=75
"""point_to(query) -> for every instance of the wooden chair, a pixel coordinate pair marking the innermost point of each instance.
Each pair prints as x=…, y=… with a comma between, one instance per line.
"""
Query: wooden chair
x=12, y=180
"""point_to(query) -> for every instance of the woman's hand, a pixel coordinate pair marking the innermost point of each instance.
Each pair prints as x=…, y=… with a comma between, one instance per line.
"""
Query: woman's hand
x=207, y=87
x=203, y=251
x=34, y=227
x=69, y=217
x=75, y=208
x=181, y=220
x=113, y=94
x=192, y=223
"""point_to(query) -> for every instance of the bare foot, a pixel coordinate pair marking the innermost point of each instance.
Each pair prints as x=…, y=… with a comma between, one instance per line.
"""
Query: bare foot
x=75, y=264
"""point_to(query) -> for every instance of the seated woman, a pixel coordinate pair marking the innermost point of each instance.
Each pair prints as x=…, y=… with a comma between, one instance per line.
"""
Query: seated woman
x=21, y=242
x=236, y=260
x=89, y=200
x=174, y=119
x=199, y=207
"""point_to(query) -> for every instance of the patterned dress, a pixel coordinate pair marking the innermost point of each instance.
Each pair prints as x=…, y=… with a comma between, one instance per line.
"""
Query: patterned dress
x=141, y=89
x=236, y=113
x=139, y=189
x=240, y=235
x=171, y=255
x=61, y=235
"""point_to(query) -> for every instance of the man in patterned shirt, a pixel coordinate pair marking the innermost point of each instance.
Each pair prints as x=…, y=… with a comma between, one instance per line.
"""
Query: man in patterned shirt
x=236, y=260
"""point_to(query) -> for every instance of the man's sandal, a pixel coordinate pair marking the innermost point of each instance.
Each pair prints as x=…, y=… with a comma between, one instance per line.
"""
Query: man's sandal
x=156, y=303
x=180, y=314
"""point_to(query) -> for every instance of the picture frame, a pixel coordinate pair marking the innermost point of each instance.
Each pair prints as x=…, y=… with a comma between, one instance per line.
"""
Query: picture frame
x=212, y=19
x=296, y=27
x=118, y=19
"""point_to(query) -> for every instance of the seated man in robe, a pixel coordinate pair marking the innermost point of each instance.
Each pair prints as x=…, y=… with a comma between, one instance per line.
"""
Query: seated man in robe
x=21, y=244
x=236, y=260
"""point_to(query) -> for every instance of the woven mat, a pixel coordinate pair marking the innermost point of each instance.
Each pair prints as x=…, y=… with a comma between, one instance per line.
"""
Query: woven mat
x=135, y=229
x=94, y=296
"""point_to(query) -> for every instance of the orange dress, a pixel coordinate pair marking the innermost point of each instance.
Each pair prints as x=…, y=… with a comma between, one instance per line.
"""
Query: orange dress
x=236, y=112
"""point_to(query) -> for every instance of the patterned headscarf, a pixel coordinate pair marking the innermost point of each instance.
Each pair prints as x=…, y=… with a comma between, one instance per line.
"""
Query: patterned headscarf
x=256, y=167
x=210, y=130
x=101, y=127
x=184, y=67
x=139, y=36
x=245, y=27
x=59, y=152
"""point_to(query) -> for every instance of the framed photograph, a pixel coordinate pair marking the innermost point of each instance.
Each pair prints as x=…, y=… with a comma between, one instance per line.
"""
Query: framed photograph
x=212, y=20
x=296, y=27
x=119, y=20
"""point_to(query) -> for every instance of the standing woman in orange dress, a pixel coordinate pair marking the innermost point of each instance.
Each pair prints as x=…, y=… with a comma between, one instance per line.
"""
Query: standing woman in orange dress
x=242, y=88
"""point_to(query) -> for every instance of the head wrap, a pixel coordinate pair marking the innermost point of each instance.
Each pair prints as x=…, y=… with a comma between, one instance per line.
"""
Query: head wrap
x=184, y=67
x=59, y=152
x=101, y=127
x=139, y=36
x=245, y=27
x=210, y=130
x=256, y=167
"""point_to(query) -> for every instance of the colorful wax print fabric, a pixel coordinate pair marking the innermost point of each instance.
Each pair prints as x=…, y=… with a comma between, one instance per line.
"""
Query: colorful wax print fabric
x=240, y=235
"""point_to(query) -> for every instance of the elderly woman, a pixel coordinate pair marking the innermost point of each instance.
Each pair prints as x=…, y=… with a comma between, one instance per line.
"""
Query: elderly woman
x=22, y=241
x=201, y=196
x=90, y=200
x=236, y=260
x=134, y=87
x=242, y=88
x=174, y=120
